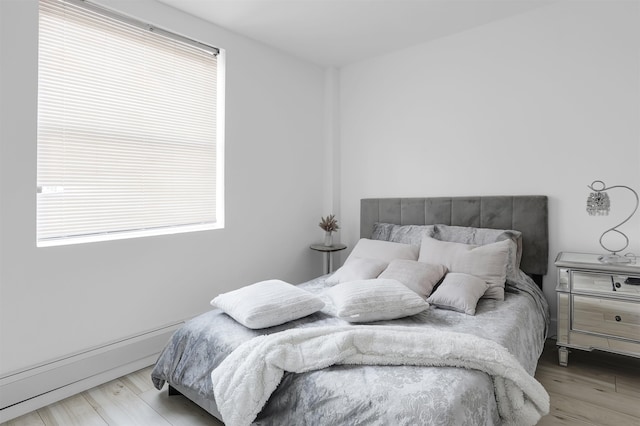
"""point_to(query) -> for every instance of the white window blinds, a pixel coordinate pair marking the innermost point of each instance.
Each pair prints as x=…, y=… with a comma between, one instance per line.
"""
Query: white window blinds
x=127, y=129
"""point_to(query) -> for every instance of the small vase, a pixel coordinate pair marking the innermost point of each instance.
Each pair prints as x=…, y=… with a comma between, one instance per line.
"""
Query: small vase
x=328, y=239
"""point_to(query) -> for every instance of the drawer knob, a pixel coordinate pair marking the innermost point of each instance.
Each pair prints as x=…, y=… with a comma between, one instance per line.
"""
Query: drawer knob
x=618, y=285
x=618, y=318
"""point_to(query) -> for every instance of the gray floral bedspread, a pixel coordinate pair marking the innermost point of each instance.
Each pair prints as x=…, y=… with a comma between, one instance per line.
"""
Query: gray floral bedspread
x=376, y=395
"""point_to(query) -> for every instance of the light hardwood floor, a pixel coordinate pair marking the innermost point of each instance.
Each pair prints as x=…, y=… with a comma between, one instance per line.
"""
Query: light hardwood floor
x=127, y=401
x=596, y=389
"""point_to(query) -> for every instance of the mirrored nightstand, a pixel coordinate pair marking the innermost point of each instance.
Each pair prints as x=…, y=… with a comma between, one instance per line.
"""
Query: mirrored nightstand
x=598, y=305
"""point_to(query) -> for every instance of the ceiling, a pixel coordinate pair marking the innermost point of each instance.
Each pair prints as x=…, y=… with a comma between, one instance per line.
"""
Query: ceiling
x=338, y=32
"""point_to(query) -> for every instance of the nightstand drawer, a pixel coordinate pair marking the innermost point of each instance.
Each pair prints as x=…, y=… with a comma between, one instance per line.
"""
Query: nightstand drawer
x=603, y=283
x=605, y=316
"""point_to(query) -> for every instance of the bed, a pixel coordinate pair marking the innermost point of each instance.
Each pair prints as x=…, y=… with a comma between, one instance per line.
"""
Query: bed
x=358, y=393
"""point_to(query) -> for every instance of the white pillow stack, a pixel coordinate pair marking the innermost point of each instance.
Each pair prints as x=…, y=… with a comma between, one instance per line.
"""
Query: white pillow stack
x=383, y=280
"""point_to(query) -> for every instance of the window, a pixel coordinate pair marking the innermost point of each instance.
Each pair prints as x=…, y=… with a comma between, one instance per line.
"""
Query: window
x=130, y=128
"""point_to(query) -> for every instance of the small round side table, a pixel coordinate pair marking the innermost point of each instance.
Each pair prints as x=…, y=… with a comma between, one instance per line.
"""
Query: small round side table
x=327, y=250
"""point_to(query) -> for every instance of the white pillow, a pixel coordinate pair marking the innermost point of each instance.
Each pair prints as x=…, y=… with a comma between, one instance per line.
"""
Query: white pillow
x=374, y=300
x=382, y=250
x=419, y=277
x=458, y=292
x=482, y=236
x=357, y=269
x=267, y=303
x=488, y=262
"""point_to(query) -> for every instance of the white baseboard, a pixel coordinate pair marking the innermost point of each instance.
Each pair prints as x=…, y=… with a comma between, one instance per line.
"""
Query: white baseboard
x=27, y=390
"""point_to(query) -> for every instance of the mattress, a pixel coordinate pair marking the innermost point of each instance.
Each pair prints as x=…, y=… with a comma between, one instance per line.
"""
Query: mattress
x=347, y=394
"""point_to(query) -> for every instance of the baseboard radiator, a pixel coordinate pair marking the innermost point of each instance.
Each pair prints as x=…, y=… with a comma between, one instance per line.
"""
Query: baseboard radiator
x=27, y=390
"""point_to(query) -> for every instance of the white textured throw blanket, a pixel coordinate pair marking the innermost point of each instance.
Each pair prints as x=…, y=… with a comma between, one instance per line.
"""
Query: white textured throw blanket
x=243, y=382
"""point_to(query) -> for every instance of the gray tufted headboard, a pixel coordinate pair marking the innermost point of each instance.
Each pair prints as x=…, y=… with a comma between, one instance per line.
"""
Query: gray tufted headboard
x=525, y=213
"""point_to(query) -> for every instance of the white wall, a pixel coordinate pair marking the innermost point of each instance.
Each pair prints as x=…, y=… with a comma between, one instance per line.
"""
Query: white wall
x=59, y=300
x=541, y=103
